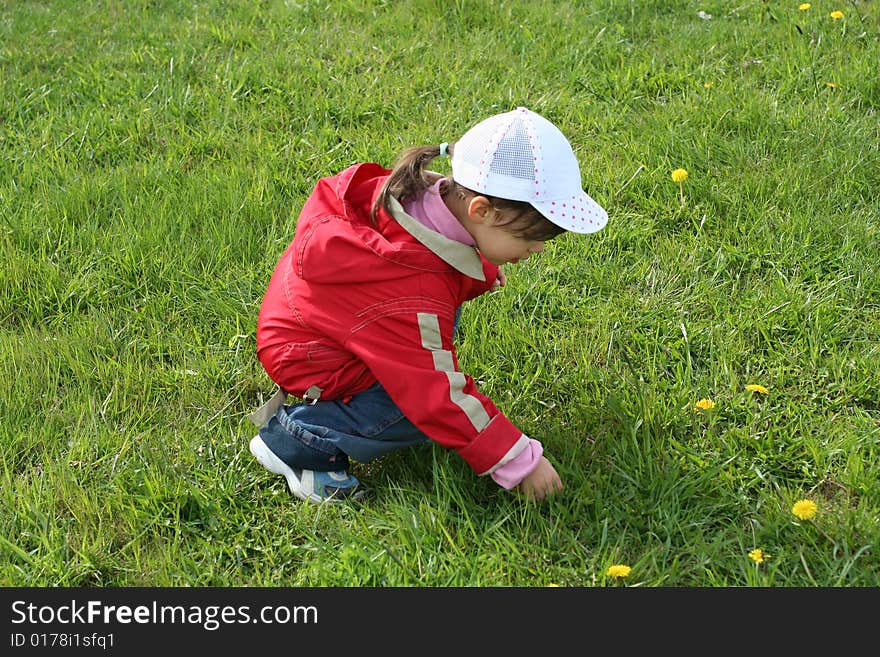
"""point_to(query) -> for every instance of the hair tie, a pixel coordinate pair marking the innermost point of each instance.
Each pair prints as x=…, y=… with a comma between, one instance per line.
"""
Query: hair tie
x=444, y=149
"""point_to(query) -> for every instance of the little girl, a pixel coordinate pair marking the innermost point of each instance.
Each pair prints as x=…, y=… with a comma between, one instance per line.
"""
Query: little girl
x=359, y=316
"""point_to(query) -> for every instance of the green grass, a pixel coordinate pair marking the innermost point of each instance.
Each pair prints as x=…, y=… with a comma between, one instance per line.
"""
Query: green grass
x=153, y=159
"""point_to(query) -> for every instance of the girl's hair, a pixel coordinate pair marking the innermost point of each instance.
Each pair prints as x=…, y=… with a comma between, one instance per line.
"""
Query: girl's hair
x=408, y=179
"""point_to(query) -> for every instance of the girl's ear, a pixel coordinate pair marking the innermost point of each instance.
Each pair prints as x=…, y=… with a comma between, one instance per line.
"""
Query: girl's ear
x=480, y=210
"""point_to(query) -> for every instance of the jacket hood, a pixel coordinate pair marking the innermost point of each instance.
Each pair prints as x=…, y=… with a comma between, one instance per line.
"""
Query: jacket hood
x=336, y=220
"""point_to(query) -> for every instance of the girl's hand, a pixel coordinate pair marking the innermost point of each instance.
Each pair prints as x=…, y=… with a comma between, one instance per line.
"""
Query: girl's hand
x=540, y=482
x=500, y=281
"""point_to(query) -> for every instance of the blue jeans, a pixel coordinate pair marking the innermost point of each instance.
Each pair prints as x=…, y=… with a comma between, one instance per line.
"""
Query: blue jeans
x=322, y=436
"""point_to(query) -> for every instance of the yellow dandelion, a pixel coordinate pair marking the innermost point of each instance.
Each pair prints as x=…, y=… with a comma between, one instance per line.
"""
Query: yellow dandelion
x=804, y=6
x=618, y=570
x=754, y=387
x=804, y=509
x=836, y=15
x=757, y=555
x=679, y=175
x=553, y=585
x=704, y=405
x=831, y=85
x=706, y=85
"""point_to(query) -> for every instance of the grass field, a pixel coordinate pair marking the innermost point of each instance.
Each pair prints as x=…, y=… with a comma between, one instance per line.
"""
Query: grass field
x=154, y=157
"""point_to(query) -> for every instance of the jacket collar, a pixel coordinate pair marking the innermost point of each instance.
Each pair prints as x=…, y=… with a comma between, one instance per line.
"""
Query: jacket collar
x=462, y=257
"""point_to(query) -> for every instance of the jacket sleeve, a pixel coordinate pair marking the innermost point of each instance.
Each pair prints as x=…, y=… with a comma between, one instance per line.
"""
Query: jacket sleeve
x=407, y=344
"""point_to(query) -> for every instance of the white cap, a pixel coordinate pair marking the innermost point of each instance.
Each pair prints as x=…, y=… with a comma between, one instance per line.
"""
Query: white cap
x=521, y=156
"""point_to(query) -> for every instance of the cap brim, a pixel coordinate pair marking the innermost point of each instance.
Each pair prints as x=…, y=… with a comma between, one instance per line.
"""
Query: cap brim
x=578, y=213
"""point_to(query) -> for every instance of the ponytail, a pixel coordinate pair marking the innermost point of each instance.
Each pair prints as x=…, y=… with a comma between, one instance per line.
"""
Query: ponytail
x=407, y=177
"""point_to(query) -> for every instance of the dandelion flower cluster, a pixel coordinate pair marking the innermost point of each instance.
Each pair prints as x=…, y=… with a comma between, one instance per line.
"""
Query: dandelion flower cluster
x=679, y=175
x=757, y=555
x=836, y=15
x=704, y=405
x=618, y=570
x=804, y=509
x=754, y=387
x=804, y=6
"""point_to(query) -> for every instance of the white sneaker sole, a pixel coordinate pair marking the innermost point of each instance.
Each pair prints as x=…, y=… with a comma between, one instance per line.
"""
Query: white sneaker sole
x=272, y=463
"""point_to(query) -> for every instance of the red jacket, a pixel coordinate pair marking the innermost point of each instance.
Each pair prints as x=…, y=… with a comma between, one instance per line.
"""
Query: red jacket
x=351, y=303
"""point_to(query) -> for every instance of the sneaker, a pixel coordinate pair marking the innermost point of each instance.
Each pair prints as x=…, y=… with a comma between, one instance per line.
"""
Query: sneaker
x=311, y=485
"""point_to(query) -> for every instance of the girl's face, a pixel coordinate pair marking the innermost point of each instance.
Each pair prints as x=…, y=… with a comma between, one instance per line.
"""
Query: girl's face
x=496, y=242
x=499, y=246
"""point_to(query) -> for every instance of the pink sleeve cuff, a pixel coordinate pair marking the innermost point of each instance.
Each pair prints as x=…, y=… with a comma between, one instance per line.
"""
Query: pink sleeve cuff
x=514, y=471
